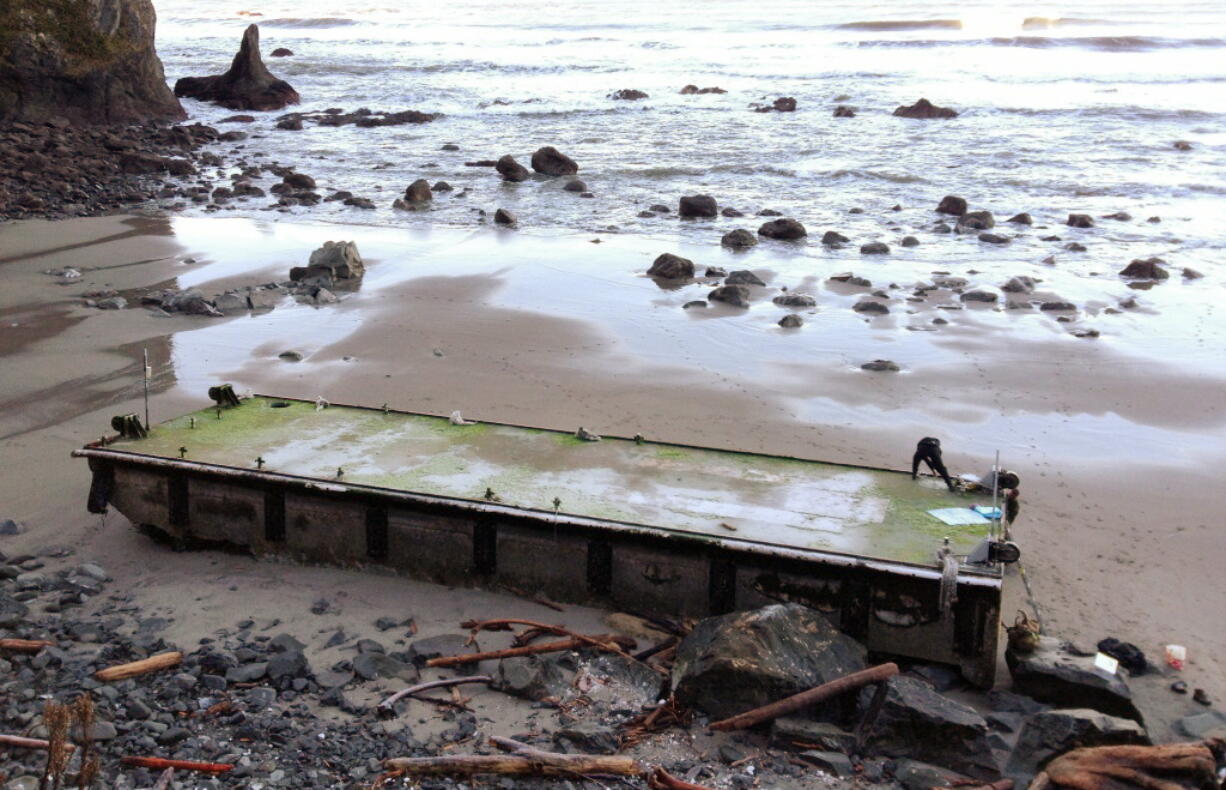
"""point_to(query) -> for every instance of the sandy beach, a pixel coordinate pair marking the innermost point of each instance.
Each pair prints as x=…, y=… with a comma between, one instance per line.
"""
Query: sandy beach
x=1117, y=443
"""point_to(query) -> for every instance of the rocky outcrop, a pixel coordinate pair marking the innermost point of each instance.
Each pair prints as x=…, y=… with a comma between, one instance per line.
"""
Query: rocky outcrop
x=925, y=110
x=552, y=162
x=730, y=664
x=952, y=204
x=628, y=94
x=510, y=170
x=916, y=720
x=671, y=267
x=87, y=62
x=692, y=90
x=1050, y=673
x=248, y=85
x=338, y=260
x=1146, y=269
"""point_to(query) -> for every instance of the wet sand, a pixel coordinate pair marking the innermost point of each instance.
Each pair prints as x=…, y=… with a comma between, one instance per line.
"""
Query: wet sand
x=1117, y=440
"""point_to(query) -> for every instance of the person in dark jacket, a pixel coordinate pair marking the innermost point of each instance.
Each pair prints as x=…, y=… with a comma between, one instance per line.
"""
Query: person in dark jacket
x=929, y=451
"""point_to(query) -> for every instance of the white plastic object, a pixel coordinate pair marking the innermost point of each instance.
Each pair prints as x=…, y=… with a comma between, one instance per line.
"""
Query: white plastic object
x=1176, y=655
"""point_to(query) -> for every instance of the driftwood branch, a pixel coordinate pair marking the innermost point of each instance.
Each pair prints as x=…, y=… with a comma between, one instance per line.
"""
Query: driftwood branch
x=21, y=742
x=663, y=780
x=524, y=761
x=804, y=699
x=608, y=642
x=1178, y=766
x=142, y=667
x=504, y=624
x=388, y=705
x=24, y=645
x=159, y=763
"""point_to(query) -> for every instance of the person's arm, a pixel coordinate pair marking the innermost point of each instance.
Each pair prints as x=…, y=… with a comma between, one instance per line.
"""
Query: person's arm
x=915, y=462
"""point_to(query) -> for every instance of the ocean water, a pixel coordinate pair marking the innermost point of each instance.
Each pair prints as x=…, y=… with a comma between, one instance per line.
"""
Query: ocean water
x=1076, y=109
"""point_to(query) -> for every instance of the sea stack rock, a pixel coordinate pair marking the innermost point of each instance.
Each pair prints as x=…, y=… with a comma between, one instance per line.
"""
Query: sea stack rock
x=248, y=85
x=925, y=110
x=87, y=63
x=552, y=162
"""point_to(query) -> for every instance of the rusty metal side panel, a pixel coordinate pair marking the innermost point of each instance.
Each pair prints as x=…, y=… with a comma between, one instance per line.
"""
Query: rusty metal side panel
x=434, y=547
x=661, y=577
x=322, y=529
x=217, y=510
x=538, y=560
x=142, y=496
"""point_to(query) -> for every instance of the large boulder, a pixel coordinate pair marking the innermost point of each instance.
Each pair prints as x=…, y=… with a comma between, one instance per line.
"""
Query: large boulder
x=952, y=204
x=785, y=229
x=671, y=267
x=735, y=662
x=976, y=220
x=419, y=192
x=1145, y=269
x=697, y=206
x=738, y=239
x=916, y=720
x=925, y=110
x=340, y=258
x=1054, y=732
x=84, y=62
x=510, y=170
x=248, y=85
x=1052, y=674
x=552, y=162
x=735, y=295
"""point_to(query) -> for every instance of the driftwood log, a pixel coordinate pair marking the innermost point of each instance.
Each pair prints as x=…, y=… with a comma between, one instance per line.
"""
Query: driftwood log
x=24, y=645
x=804, y=699
x=159, y=763
x=523, y=761
x=388, y=706
x=608, y=642
x=21, y=742
x=1178, y=766
x=142, y=667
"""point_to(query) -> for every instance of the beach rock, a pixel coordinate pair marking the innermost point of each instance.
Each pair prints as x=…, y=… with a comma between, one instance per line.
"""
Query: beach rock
x=339, y=258
x=1210, y=724
x=833, y=238
x=1021, y=219
x=628, y=94
x=833, y=763
x=979, y=296
x=787, y=730
x=715, y=271
x=697, y=206
x=942, y=227
x=575, y=186
x=1051, y=733
x=1055, y=675
x=504, y=217
x=690, y=90
x=12, y=612
x=843, y=111
x=111, y=303
x=743, y=277
x=248, y=85
x=591, y=737
x=419, y=192
x=282, y=52
x=769, y=212
x=792, y=299
x=994, y=238
x=695, y=303
x=870, y=307
x=952, y=204
x=881, y=366
x=729, y=211
x=783, y=229
x=735, y=662
x=1080, y=221
x=81, y=64
x=738, y=239
x=976, y=220
x=1019, y=285
x=1182, y=145
x=916, y=775
x=875, y=248
x=910, y=241
x=1191, y=274
x=735, y=295
x=671, y=267
x=916, y=720
x=924, y=110
x=782, y=104
x=791, y=321
x=531, y=677
x=1145, y=269
x=510, y=170
x=1119, y=216
x=1058, y=306
x=552, y=162
x=298, y=181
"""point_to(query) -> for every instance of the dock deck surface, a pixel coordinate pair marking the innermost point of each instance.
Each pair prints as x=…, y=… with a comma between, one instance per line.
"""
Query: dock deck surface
x=802, y=504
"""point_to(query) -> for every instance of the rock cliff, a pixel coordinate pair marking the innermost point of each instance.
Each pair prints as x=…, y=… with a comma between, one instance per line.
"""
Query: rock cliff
x=88, y=61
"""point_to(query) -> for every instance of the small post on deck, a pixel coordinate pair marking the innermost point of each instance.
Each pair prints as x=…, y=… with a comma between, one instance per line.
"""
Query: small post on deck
x=145, y=375
x=995, y=491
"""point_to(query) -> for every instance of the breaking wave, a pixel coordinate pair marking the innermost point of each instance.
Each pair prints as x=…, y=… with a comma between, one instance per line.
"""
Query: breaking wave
x=316, y=23
x=903, y=24
x=1103, y=43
